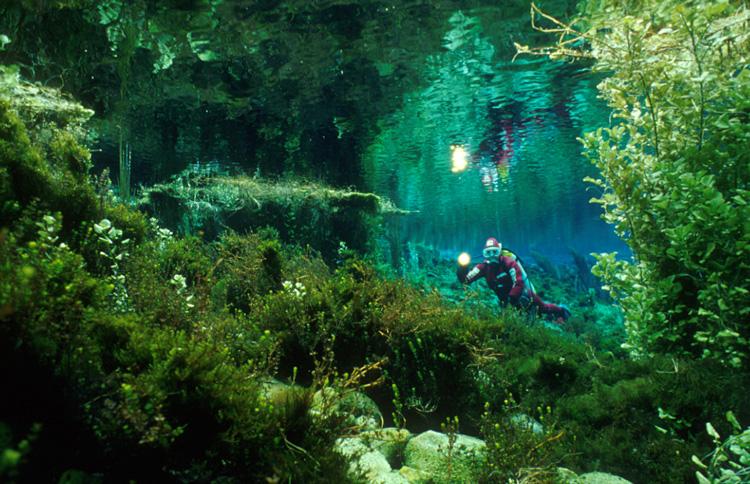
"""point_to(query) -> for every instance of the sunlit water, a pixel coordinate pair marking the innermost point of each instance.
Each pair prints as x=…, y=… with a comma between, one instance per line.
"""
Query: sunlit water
x=474, y=144
x=518, y=123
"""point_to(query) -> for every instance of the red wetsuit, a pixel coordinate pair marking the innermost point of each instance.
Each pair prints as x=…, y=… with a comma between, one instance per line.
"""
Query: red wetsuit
x=508, y=281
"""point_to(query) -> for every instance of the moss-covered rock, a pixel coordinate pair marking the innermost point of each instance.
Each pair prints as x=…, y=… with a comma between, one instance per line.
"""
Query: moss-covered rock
x=44, y=110
x=446, y=461
x=357, y=409
x=302, y=213
x=601, y=478
x=415, y=476
x=566, y=476
x=389, y=441
x=366, y=464
x=50, y=171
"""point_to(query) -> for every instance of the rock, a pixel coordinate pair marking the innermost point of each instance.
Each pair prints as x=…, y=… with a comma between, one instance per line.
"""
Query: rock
x=271, y=388
x=601, y=478
x=430, y=452
x=415, y=476
x=566, y=476
x=195, y=200
x=38, y=105
x=391, y=442
x=366, y=464
x=281, y=394
x=358, y=409
x=525, y=422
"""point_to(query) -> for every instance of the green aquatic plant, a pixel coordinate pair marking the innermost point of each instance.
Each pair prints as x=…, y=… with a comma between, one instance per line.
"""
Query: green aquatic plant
x=519, y=447
x=193, y=382
x=729, y=462
x=125, y=165
x=113, y=250
x=674, y=178
x=12, y=454
x=397, y=416
x=250, y=266
x=178, y=281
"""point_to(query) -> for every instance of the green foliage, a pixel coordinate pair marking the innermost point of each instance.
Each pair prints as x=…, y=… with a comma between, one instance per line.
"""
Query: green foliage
x=12, y=455
x=518, y=447
x=367, y=318
x=729, y=462
x=127, y=339
x=152, y=291
x=47, y=293
x=70, y=156
x=188, y=256
x=146, y=384
x=250, y=267
x=675, y=171
x=676, y=177
x=133, y=223
x=113, y=250
x=174, y=380
x=26, y=177
x=181, y=386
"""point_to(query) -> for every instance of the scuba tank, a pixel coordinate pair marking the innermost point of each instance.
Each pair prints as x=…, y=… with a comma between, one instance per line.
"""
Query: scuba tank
x=509, y=253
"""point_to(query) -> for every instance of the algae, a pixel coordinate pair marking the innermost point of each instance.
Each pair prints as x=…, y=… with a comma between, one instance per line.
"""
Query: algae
x=305, y=213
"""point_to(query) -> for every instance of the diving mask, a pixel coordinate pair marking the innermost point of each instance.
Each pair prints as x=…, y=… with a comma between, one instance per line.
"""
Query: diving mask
x=491, y=253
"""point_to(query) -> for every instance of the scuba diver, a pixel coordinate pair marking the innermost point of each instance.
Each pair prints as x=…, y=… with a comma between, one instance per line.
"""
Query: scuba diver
x=507, y=279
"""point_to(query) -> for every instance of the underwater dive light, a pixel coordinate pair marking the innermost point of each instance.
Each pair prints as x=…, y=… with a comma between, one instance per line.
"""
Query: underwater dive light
x=459, y=158
x=464, y=259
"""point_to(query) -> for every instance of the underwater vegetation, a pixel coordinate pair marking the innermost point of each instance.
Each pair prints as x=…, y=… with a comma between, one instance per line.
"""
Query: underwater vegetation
x=674, y=168
x=308, y=213
x=676, y=175
x=153, y=351
x=239, y=329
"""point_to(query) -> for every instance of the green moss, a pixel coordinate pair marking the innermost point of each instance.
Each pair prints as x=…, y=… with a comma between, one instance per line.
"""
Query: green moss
x=302, y=213
x=249, y=266
x=70, y=156
x=133, y=223
x=30, y=178
x=22, y=165
x=169, y=382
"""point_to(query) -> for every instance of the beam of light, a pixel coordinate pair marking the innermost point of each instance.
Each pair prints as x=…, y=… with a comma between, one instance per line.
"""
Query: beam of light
x=459, y=158
x=464, y=259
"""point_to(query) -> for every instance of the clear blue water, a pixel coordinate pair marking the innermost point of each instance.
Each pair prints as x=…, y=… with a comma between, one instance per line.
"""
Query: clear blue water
x=376, y=96
x=518, y=123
